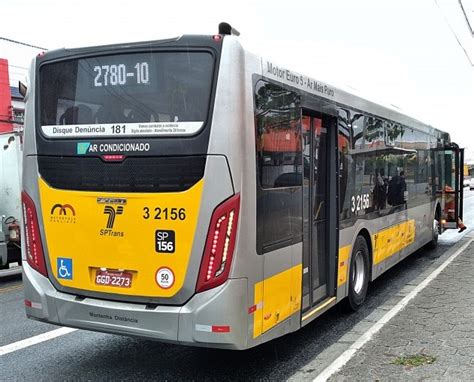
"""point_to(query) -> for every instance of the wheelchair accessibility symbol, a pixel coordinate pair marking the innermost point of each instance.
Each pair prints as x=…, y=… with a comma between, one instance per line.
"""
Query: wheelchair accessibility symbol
x=64, y=268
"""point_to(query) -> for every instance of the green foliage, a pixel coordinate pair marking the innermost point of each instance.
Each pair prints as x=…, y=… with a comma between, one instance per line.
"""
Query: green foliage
x=414, y=360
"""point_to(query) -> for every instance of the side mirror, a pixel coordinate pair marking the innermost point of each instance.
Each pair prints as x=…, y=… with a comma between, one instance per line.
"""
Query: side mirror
x=22, y=88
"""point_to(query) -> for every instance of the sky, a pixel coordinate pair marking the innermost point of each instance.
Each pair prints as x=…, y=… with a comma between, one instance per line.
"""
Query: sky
x=415, y=54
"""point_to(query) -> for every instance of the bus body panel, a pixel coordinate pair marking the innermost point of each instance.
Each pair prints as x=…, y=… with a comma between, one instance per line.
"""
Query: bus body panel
x=123, y=233
x=277, y=289
x=391, y=232
x=217, y=317
x=233, y=133
x=214, y=191
x=395, y=225
x=200, y=321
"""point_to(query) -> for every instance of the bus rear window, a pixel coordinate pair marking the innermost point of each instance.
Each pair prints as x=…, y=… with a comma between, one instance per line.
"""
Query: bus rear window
x=139, y=94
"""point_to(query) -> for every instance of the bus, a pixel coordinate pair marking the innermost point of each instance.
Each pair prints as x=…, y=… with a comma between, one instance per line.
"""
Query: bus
x=191, y=192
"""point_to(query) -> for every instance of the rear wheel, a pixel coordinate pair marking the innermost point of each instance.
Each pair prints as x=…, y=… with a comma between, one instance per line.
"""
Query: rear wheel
x=436, y=231
x=358, y=274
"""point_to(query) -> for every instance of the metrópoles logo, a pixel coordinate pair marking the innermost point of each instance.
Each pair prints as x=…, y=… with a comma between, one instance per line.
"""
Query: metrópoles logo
x=62, y=213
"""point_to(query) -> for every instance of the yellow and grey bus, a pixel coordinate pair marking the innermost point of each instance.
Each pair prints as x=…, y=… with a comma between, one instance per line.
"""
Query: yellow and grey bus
x=188, y=191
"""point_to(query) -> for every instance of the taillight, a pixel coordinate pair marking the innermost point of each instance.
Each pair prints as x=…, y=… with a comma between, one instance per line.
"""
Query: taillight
x=217, y=258
x=34, y=249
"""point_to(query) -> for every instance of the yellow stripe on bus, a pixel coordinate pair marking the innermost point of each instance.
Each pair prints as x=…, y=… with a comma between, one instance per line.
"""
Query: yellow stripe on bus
x=279, y=296
x=343, y=264
x=392, y=240
x=385, y=244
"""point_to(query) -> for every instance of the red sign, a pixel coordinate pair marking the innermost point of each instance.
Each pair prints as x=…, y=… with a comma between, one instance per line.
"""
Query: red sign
x=5, y=99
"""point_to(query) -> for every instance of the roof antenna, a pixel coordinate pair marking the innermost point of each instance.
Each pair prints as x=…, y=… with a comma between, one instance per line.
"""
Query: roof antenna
x=225, y=28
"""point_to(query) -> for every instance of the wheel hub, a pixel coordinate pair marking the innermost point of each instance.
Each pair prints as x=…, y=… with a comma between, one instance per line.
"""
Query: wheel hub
x=359, y=272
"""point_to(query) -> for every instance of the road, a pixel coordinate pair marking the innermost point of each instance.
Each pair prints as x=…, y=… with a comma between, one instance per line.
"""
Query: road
x=94, y=356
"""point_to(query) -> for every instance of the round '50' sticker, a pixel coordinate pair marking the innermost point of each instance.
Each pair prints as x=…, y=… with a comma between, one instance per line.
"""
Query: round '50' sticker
x=164, y=278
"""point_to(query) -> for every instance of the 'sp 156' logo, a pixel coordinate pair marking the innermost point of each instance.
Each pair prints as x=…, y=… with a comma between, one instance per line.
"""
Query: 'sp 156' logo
x=165, y=241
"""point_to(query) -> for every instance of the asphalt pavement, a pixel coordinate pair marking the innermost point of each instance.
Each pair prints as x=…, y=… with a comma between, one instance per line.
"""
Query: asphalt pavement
x=303, y=355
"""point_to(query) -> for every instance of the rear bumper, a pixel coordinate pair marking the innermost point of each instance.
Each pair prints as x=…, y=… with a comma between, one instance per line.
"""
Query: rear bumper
x=202, y=321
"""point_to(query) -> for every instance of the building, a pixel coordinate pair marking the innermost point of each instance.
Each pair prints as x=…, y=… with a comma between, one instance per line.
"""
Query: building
x=12, y=106
x=18, y=107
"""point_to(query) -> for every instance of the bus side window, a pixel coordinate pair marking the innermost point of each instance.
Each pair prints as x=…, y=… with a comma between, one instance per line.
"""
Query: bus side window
x=343, y=145
x=279, y=166
x=278, y=137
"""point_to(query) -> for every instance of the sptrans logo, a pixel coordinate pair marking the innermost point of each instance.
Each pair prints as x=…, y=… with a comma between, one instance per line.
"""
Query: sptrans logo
x=112, y=213
x=62, y=213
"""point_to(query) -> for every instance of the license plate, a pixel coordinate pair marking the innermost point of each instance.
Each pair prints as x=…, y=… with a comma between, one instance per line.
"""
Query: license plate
x=119, y=279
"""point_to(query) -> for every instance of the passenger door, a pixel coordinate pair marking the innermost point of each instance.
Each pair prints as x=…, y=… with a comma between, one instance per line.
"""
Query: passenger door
x=319, y=207
x=450, y=185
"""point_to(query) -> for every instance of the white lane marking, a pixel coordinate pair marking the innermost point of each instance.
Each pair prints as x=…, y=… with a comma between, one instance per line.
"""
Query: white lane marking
x=35, y=340
x=340, y=361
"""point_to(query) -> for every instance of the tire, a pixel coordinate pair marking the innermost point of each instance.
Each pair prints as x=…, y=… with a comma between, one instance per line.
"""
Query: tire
x=358, y=275
x=436, y=231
